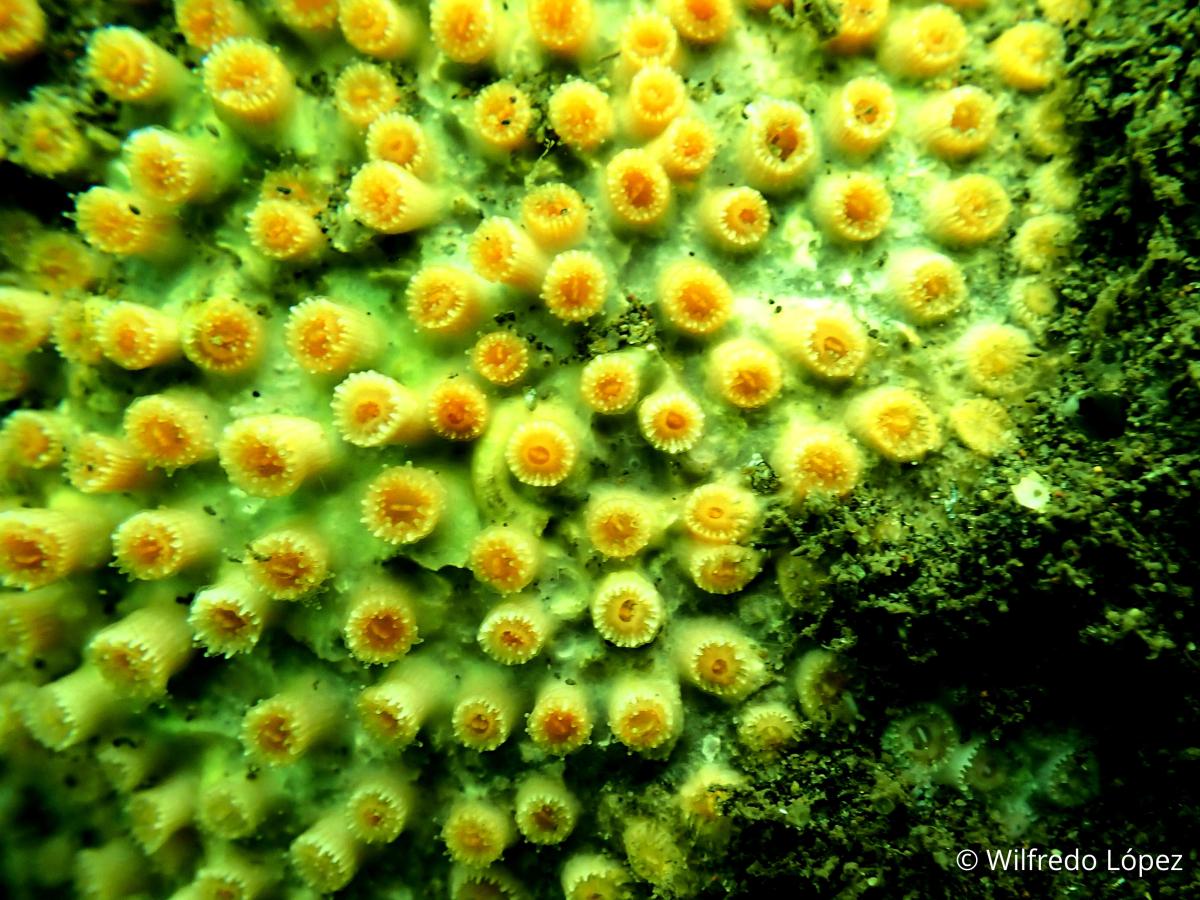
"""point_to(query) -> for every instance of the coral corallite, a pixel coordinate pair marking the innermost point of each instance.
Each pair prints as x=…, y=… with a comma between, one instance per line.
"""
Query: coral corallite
x=417, y=411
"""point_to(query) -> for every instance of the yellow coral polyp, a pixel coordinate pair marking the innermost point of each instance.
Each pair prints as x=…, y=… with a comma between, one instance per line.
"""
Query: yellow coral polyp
x=852, y=207
x=514, y=632
x=967, y=211
x=476, y=832
x=778, y=145
x=575, y=286
x=288, y=564
x=138, y=337
x=925, y=42
x=541, y=453
x=695, y=298
x=378, y=28
x=391, y=200
x=996, y=358
x=701, y=21
x=281, y=729
x=610, y=383
x=581, y=114
x=637, y=189
x=123, y=223
x=464, y=30
x=1028, y=55
x=41, y=546
x=648, y=37
x=671, y=421
x=330, y=338
x=363, y=92
x=958, y=123
x=403, y=504
x=501, y=357
x=501, y=251
x=928, y=287
x=34, y=439
x=820, y=460
x=443, y=300
x=503, y=117
x=745, y=373
x=457, y=410
x=372, y=410
x=396, y=138
x=735, y=219
x=156, y=544
x=206, y=23
x=25, y=319
x=860, y=23
x=686, y=148
x=273, y=455
x=555, y=216
x=828, y=341
x=505, y=558
x=560, y=722
x=105, y=464
x=170, y=168
x=223, y=336
x=22, y=30
x=861, y=116
x=126, y=64
x=621, y=523
x=657, y=95
x=564, y=27
x=249, y=83
x=720, y=513
x=896, y=423
x=627, y=610
x=645, y=714
x=381, y=625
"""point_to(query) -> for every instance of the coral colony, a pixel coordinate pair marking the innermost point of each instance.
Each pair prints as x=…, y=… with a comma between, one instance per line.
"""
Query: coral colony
x=397, y=408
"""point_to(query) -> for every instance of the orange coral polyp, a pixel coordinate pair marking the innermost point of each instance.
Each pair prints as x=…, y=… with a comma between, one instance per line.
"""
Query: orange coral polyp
x=686, y=147
x=156, y=544
x=853, y=207
x=818, y=460
x=620, y=524
x=381, y=625
x=25, y=320
x=610, y=383
x=778, y=145
x=41, y=546
x=561, y=719
x=896, y=423
x=249, y=83
x=746, y=373
x=104, y=464
x=137, y=337
x=502, y=252
x=316, y=16
x=646, y=38
x=403, y=504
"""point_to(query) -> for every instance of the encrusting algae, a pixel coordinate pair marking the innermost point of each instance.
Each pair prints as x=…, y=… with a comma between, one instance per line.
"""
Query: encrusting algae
x=401, y=404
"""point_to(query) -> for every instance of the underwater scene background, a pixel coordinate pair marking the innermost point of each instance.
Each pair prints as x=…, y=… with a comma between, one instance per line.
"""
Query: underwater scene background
x=595, y=449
